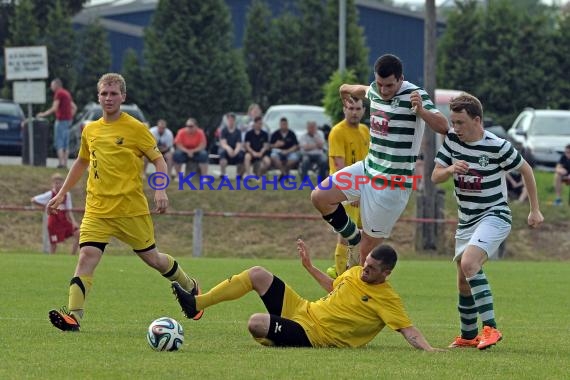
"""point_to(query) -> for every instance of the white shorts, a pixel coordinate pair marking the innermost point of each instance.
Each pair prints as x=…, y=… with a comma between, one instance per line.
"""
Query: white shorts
x=488, y=235
x=379, y=209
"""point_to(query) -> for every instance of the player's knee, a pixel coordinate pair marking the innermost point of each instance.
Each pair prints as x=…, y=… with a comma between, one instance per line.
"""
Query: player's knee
x=259, y=274
x=469, y=267
x=258, y=325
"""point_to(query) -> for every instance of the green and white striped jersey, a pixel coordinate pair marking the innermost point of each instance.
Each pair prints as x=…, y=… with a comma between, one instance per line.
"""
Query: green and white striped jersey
x=483, y=190
x=395, y=134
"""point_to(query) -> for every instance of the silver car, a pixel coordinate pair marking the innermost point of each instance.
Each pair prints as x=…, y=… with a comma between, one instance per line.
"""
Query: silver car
x=297, y=116
x=542, y=134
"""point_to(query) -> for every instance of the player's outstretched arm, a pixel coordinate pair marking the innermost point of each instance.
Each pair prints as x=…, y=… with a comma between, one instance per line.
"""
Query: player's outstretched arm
x=77, y=169
x=535, y=217
x=417, y=340
x=322, y=278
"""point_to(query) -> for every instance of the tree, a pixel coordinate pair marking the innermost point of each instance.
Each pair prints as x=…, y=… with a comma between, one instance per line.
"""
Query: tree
x=59, y=39
x=313, y=59
x=23, y=31
x=192, y=66
x=90, y=66
x=331, y=101
x=133, y=73
x=560, y=87
x=460, y=49
x=258, y=51
x=42, y=9
x=356, y=49
x=23, y=28
x=504, y=55
x=290, y=73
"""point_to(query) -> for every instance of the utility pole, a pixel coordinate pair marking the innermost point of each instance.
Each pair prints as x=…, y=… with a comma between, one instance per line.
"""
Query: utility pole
x=341, y=36
x=429, y=202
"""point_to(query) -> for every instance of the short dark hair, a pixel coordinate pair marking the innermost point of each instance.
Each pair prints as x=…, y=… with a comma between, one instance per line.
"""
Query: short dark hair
x=283, y=119
x=467, y=102
x=388, y=64
x=257, y=118
x=386, y=255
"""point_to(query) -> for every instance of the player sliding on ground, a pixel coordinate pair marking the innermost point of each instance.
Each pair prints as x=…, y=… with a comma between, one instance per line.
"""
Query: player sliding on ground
x=359, y=304
x=478, y=160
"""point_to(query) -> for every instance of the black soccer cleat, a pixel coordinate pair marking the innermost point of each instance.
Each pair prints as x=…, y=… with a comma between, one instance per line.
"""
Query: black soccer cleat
x=63, y=320
x=187, y=300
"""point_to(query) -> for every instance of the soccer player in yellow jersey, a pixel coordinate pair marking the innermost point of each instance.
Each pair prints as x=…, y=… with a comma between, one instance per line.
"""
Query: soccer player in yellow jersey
x=348, y=144
x=113, y=148
x=359, y=304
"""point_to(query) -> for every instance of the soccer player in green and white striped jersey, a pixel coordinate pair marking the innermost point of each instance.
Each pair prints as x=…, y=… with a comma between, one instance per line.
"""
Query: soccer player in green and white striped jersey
x=383, y=182
x=478, y=160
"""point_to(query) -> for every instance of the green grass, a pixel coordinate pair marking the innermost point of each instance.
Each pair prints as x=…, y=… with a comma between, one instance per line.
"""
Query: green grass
x=531, y=301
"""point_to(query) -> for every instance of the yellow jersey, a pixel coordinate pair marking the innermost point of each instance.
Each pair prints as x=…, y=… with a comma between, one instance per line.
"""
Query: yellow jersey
x=350, y=143
x=353, y=313
x=114, y=151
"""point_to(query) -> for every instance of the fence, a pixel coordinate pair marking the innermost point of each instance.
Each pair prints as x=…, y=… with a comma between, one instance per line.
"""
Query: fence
x=199, y=214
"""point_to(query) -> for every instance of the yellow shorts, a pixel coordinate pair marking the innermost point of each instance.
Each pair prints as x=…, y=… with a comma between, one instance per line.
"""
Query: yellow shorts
x=136, y=231
x=354, y=214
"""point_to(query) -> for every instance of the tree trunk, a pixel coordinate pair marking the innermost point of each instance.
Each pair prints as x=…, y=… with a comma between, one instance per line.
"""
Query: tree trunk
x=427, y=204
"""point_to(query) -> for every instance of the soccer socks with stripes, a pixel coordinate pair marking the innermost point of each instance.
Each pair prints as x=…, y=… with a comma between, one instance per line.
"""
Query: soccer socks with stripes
x=78, y=289
x=340, y=258
x=342, y=224
x=175, y=273
x=233, y=288
x=483, y=297
x=467, y=316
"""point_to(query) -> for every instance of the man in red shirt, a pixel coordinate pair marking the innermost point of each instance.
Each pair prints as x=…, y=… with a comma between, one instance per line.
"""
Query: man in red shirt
x=64, y=109
x=190, y=143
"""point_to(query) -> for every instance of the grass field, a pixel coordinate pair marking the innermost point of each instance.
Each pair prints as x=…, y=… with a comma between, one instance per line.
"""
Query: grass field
x=531, y=299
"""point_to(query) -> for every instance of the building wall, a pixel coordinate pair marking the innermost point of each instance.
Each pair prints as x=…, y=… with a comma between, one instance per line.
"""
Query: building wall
x=386, y=30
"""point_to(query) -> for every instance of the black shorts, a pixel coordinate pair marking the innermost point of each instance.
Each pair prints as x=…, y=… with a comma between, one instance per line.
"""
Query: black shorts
x=282, y=332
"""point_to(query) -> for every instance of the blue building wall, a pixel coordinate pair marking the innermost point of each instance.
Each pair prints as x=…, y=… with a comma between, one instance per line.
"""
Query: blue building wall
x=386, y=30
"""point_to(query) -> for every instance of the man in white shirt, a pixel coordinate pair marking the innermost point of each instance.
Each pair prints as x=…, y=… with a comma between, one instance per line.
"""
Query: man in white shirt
x=164, y=142
x=312, y=151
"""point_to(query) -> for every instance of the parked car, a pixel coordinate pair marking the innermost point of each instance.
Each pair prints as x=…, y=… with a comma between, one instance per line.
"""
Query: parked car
x=297, y=115
x=442, y=99
x=92, y=111
x=542, y=134
x=11, y=119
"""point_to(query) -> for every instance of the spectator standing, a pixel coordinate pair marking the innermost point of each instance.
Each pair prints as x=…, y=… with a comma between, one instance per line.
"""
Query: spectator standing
x=312, y=145
x=190, y=143
x=257, y=149
x=284, y=145
x=231, y=148
x=61, y=224
x=64, y=109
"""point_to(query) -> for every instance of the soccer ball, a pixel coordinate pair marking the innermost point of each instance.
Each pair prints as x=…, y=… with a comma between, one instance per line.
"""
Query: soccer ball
x=165, y=334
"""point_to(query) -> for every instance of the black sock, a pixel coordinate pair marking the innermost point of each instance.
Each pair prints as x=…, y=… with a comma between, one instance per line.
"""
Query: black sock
x=342, y=224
